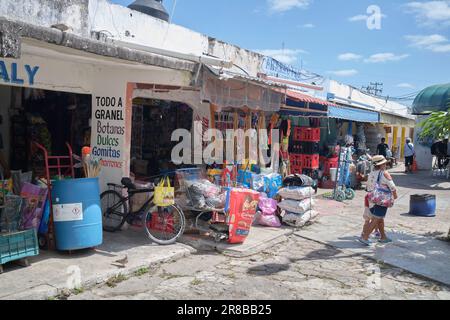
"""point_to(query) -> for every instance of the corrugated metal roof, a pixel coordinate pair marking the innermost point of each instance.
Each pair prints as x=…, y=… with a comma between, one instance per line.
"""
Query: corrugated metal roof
x=306, y=98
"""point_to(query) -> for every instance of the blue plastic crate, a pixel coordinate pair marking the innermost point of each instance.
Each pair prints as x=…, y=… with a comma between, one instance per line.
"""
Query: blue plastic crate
x=18, y=245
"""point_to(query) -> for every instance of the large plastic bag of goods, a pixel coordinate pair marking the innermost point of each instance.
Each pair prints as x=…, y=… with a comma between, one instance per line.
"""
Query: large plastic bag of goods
x=296, y=193
x=267, y=206
x=267, y=216
x=268, y=221
x=272, y=183
x=298, y=180
x=294, y=206
x=297, y=221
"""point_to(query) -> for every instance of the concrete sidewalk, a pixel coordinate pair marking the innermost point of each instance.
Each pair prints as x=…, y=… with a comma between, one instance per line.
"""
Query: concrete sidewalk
x=53, y=272
x=259, y=239
x=416, y=247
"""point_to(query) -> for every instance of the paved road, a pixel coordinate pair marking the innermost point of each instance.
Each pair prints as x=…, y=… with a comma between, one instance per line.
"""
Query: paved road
x=296, y=269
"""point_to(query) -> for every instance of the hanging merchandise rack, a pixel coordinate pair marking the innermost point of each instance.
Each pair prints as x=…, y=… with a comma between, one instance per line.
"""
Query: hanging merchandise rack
x=63, y=167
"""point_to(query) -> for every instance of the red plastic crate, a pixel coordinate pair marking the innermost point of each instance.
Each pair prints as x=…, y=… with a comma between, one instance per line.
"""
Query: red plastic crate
x=296, y=170
x=310, y=134
x=328, y=164
x=310, y=161
x=297, y=134
x=296, y=160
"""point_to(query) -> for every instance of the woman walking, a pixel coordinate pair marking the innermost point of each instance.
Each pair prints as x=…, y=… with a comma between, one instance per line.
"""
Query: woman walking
x=380, y=181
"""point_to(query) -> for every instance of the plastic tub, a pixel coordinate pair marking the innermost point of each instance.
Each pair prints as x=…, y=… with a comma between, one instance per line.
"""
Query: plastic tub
x=333, y=174
x=77, y=214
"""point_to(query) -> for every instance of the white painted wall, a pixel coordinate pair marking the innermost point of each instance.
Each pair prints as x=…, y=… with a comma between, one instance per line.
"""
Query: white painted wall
x=423, y=151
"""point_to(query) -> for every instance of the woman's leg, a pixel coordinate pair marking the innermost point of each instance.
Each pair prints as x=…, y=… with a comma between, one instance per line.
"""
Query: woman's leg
x=372, y=226
x=366, y=227
x=381, y=229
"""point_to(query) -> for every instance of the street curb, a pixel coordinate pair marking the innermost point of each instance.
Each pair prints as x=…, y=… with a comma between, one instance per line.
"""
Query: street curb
x=46, y=291
x=418, y=275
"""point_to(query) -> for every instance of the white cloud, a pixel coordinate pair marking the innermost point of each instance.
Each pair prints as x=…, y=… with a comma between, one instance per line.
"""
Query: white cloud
x=445, y=48
x=286, y=5
x=308, y=26
x=385, y=57
x=405, y=85
x=344, y=73
x=425, y=41
x=349, y=56
x=287, y=56
x=430, y=13
x=434, y=42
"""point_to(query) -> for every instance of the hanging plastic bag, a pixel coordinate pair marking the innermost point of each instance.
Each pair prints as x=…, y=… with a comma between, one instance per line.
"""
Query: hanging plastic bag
x=164, y=194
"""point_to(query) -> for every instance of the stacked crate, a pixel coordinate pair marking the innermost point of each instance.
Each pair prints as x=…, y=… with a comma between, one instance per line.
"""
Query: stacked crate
x=305, y=149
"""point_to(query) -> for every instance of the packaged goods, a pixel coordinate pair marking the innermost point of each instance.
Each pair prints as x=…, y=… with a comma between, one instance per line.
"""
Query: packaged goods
x=294, y=206
x=296, y=193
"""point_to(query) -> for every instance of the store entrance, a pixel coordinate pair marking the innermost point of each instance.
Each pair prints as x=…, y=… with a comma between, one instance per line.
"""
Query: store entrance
x=152, y=127
x=49, y=118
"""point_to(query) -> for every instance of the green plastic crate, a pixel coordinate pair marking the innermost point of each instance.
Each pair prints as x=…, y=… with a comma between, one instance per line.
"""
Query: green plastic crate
x=18, y=245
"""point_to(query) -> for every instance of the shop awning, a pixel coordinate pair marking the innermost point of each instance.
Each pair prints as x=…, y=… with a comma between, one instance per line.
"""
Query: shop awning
x=230, y=90
x=434, y=98
x=353, y=114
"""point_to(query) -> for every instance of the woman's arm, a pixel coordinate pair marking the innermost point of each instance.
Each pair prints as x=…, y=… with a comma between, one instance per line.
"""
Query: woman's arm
x=391, y=184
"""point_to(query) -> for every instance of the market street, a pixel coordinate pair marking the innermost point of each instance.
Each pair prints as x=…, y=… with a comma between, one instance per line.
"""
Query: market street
x=298, y=268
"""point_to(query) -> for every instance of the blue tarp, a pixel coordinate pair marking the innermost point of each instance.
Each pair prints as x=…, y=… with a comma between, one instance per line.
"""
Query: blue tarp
x=353, y=114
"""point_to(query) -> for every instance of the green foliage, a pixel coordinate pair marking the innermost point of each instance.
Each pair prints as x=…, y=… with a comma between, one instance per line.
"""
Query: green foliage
x=436, y=126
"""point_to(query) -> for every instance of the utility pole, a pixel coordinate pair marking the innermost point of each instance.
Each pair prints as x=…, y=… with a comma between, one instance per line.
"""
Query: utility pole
x=375, y=88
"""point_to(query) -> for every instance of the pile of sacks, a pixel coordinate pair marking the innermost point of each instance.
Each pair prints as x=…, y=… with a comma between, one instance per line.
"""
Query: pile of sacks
x=297, y=202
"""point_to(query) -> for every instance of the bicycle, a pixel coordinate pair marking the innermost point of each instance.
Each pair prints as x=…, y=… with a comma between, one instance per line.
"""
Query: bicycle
x=164, y=225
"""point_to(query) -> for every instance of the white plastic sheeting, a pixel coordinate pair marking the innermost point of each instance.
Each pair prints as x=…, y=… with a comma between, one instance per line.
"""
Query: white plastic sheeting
x=227, y=90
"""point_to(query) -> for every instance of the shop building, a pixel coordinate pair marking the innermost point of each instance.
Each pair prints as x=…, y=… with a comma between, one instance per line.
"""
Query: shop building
x=98, y=55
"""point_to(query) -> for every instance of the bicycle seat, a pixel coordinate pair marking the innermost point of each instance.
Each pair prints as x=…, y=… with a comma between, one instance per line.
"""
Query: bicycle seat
x=128, y=183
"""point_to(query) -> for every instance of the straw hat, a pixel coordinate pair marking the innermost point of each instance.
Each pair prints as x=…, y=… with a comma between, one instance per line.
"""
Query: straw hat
x=379, y=160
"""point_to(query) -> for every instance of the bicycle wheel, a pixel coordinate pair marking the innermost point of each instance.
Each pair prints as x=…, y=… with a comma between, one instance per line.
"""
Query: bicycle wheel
x=114, y=210
x=165, y=225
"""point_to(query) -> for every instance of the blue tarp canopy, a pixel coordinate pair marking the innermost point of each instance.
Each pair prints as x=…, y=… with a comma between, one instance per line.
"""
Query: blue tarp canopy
x=353, y=114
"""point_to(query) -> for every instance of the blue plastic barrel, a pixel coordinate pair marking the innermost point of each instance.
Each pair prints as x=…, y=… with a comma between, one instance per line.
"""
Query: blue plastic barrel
x=77, y=214
x=423, y=205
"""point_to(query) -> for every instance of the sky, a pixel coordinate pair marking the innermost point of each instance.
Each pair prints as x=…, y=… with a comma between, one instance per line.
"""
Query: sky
x=403, y=44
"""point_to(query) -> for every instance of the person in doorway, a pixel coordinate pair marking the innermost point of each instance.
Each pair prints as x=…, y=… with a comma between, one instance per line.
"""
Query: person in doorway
x=409, y=155
x=382, y=148
x=378, y=213
x=3, y=163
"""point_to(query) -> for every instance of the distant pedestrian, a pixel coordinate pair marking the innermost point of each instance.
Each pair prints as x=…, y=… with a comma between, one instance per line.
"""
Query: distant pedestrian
x=382, y=148
x=378, y=178
x=410, y=153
